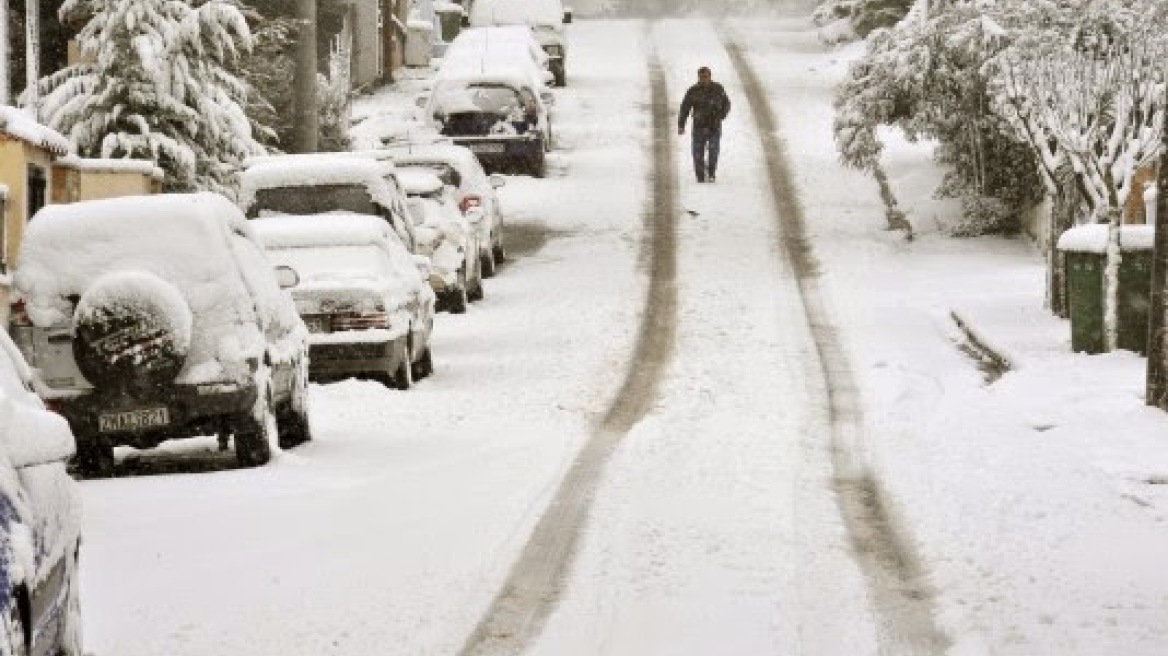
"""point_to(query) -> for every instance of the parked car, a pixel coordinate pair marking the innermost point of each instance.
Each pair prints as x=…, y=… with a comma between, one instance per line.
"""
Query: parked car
x=473, y=188
x=40, y=520
x=151, y=318
x=364, y=298
x=484, y=55
x=546, y=18
x=317, y=184
x=498, y=116
x=447, y=236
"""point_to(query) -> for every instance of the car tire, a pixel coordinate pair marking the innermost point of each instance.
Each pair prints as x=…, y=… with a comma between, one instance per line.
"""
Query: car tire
x=498, y=253
x=537, y=165
x=424, y=366
x=71, y=630
x=94, y=457
x=292, y=424
x=488, y=262
x=14, y=630
x=253, y=433
x=403, y=378
x=476, y=292
x=457, y=299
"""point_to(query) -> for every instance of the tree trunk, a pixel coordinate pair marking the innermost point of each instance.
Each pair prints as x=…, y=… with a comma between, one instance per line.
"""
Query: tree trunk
x=1156, y=392
x=1064, y=208
x=1114, y=258
x=32, y=55
x=5, y=56
x=387, y=41
x=304, y=99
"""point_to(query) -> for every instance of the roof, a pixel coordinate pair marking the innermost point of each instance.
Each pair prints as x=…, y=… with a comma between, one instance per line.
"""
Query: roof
x=417, y=181
x=105, y=165
x=18, y=124
x=320, y=230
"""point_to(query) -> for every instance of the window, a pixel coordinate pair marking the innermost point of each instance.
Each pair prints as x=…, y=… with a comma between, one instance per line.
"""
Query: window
x=37, y=186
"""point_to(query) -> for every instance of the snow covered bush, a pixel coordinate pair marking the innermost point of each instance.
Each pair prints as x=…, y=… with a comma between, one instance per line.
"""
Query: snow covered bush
x=159, y=84
x=864, y=16
x=926, y=76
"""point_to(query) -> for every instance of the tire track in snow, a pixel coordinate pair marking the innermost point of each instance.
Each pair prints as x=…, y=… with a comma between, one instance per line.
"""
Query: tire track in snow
x=901, y=600
x=536, y=580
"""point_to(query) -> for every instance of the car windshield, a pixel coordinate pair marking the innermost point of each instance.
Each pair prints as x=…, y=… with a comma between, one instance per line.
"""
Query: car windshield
x=333, y=262
x=476, y=97
x=315, y=199
x=445, y=172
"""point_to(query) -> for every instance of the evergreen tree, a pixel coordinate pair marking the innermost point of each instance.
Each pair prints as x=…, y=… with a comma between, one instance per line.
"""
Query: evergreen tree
x=159, y=83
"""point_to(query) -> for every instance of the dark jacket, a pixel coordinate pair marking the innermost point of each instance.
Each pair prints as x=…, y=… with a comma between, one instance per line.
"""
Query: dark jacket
x=709, y=104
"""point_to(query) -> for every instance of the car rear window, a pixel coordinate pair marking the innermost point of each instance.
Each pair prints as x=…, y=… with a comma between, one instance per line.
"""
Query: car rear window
x=315, y=199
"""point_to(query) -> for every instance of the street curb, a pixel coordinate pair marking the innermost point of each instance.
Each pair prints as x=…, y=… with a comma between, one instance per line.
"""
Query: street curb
x=999, y=360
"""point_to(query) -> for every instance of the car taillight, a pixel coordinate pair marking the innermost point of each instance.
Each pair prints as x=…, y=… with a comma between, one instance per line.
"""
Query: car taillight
x=54, y=405
x=468, y=202
x=360, y=321
x=18, y=314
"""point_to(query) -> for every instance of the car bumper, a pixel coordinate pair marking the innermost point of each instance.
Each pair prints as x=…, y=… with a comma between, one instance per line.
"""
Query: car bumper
x=333, y=360
x=190, y=410
x=501, y=151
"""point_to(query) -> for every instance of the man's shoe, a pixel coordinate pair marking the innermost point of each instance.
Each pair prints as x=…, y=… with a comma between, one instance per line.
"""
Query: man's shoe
x=711, y=176
x=701, y=179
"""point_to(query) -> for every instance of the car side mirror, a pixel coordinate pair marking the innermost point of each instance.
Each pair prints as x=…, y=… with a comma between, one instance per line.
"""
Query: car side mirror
x=35, y=436
x=497, y=180
x=425, y=267
x=421, y=100
x=287, y=277
x=567, y=15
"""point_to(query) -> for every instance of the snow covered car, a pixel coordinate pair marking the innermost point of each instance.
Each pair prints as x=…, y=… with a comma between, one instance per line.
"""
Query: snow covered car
x=40, y=520
x=546, y=18
x=364, y=298
x=317, y=184
x=447, y=237
x=498, y=116
x=459, y=167
x=150, y=318
x=492, y=56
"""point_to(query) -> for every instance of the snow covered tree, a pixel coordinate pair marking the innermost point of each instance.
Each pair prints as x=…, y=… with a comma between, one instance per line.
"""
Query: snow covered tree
x=864, y=16
x=1092, y=99
x=160, y=85
x=925, y=76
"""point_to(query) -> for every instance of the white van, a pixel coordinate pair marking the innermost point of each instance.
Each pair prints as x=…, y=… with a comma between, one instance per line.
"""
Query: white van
x=546, y=18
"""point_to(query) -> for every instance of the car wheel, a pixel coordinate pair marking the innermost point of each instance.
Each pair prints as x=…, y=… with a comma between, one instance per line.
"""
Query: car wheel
x=487, y=262
x=403, y=378
x=292, y=424
x=424, y=366
x=476, y=292
x=71, y=633
x=537, y=165
x=14, y=629
x=253, y=433
x=94, y=457
x=457, y=300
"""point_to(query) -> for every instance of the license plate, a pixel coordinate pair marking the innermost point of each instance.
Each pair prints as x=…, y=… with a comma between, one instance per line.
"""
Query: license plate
x=317, y=324
x=487, y=147
x=133, y=420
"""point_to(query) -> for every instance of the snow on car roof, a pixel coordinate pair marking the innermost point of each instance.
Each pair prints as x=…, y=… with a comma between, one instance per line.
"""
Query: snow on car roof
x=318, y=169
x=418, y=181
x=504, y=12
x=501, y=32
x=376, y=154
x=65, y=247
x=319, y=230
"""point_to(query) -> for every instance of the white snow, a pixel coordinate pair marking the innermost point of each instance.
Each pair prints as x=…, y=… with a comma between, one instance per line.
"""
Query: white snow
x=511, y=12
x=1037, y=503
x=17, y=123
x=283, y=172
x=143, y=294
x=1092, y=238
x=111, y=165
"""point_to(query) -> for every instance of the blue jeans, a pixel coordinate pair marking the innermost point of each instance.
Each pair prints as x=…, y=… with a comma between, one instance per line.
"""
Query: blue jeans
x=706, y=137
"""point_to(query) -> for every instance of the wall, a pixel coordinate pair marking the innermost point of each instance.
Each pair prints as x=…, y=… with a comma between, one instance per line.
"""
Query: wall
x=96, y=185
x=366, y=66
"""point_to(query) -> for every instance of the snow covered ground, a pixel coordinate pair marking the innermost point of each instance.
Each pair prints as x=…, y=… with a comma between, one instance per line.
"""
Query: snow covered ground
x=1037, y=503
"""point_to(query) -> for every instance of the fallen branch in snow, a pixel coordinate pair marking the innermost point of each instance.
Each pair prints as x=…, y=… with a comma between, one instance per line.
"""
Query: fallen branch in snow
x=897, y=220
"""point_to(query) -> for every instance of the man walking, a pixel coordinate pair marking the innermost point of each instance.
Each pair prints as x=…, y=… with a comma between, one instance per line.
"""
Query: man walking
x=710, y=105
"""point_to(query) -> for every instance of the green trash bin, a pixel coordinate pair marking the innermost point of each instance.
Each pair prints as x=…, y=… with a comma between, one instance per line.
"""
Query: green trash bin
x=1085, y=251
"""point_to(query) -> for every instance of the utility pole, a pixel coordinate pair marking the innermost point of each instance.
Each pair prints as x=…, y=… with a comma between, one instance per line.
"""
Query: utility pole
x=388, y=27
x=32, y=55
x=304, y=98
x=1156, y=390
x=5, y=56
